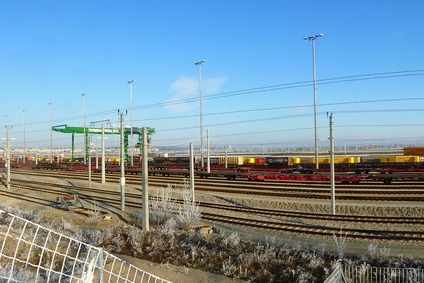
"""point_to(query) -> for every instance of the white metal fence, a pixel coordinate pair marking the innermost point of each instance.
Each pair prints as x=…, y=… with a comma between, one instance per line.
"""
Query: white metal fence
x=368, y=274
x=32, y=253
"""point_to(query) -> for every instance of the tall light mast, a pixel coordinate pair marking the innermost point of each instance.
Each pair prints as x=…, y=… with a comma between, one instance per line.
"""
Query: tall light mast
x=130, y=82
x=199, y=64
x=85, y=138
x=312, y=39
x=51, y=132
x=23, y=155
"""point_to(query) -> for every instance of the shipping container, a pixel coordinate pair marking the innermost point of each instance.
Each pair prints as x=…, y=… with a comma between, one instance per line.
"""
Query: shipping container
x=323, y=160
x=291, y=161
x=296, y=160
x=260, y=160
x=357, y=159
x=344, y=160
x=231, y=160
x=400, y=159
x=214, y=160
x=248, y=160
x=370, y=160
x=279, y=161
x=327, y=160
x=276, y=160
x=307, y=160
x=178, y=159
x=413, y=151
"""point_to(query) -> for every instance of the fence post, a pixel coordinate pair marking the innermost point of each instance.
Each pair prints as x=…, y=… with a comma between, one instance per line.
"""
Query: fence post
x=100, y=266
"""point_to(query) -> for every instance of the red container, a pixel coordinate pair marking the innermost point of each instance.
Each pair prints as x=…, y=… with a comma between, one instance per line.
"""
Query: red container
x=260, y=160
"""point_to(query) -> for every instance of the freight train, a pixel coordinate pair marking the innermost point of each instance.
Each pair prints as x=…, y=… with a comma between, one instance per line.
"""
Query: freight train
x=342, y=163
x=386, y=168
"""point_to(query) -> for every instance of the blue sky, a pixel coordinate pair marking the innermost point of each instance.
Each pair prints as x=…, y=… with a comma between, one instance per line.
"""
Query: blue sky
x=53, y=51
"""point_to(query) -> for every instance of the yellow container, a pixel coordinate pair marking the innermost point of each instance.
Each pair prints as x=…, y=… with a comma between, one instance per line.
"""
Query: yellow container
x=345, y=160
x=339, y=160
x=307, y=160
x=357, y=159
x=296, y=160
x=248, y=160
x=400, y=159
x=322, y=160
x=351, y=160
x=232, y=160
x=416, y=159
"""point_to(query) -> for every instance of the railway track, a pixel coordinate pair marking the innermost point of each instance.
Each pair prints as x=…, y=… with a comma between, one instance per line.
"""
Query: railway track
x=402, y=192
x=86, y=192
x=318, y=230
x=281, y=224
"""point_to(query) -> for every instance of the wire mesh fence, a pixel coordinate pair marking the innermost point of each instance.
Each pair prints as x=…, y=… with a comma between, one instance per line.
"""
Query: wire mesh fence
x=32, y=253
x=367, y=274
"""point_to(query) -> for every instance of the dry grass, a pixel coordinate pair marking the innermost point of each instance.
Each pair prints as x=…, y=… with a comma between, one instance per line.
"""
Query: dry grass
x=230, y=253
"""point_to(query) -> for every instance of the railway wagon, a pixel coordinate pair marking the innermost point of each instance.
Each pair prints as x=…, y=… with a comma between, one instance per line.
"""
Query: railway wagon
x=279, y=161
x=170, y=162
x=214, y=161
x=260, y=161
x=413, y=151
x=370, y=159
x=248, y=160
x=231, y=160
x=399, y=159
x=327, y=160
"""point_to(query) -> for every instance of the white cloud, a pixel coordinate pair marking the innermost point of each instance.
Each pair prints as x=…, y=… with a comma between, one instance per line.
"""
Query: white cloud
x=214, y=85
x=186, y=88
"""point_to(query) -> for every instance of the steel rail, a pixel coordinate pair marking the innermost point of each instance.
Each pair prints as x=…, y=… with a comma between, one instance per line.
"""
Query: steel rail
x=317, y=230
x=406, y=195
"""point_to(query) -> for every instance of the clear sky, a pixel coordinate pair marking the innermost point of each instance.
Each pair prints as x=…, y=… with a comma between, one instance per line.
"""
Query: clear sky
x=257, y=78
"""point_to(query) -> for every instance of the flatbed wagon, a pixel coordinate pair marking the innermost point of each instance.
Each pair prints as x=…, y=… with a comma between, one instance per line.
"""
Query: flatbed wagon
x=316, y=178
x=401, y=176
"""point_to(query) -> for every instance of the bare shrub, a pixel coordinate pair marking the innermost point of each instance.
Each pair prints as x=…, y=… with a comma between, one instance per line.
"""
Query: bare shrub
x=93, y=237
x=6, y=207
x=162, y=206
x=322, y=249
x=384, y=251
x=372, y=249
x=233, y=240
x=169, y=227
x=228, y=268
x=340, y=243
x=94, y=217
x=33, y=215
x=66, y=225
x=188, y=211
x=116, y=238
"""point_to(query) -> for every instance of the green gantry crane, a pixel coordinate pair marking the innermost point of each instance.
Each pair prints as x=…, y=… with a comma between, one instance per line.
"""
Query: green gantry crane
x=108, y=131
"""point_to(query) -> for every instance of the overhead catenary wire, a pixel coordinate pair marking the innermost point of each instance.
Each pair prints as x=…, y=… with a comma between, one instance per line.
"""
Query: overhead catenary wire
x=268, y=88
x=408, y=110
x=344, y=79
x=293, y=116
x=284, y=108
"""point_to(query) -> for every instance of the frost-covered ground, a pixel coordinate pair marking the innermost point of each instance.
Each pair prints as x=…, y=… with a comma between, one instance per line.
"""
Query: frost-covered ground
x=172, y=245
